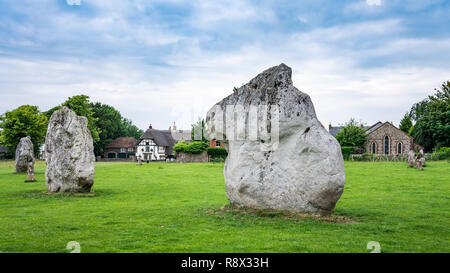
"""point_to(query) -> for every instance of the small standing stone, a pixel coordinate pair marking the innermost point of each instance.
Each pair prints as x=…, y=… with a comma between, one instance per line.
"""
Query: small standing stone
x=420, y=160
x=24, y=154
x=139, y=160
x=30, y=171
x=411, y=159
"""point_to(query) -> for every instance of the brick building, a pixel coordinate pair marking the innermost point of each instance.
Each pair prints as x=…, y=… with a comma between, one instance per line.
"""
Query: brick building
x=385, y=138
x=121, y=147
x=215, y=143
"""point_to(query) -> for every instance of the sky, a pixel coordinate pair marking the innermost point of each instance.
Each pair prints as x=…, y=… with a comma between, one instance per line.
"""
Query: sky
x=163, y=61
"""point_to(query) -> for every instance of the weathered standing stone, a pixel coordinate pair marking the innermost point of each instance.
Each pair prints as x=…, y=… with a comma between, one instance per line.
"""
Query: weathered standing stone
x=70, y=153
x=420, y=160
x=24, y=154
x=411, y=158
x=30, y=171
x=303, y=172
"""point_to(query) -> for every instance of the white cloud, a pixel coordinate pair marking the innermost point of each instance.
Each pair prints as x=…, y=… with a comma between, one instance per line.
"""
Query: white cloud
x=73, y=2
x=373, y=2
x=190, y=77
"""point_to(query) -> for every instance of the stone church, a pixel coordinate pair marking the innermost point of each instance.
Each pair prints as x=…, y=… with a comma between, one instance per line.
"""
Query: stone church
x=386, y=139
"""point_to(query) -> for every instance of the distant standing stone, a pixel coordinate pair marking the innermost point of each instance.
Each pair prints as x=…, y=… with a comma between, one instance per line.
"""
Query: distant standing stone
x=420, y=160
x=30, y=171
x=70, y=153
x=24, y=154
x=411, y=158
x=279, y=154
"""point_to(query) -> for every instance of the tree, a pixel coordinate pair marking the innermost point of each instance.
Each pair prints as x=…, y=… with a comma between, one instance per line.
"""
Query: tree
x=23, y=121
x=130, y=130
x=80, y=104
x=111, y=125
x=352, y=134
x=406, y=123
x=432, y=116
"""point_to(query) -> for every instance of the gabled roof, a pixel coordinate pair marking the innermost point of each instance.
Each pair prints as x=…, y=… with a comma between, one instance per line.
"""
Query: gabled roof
x=388, y=123
x=181, y=134
x=122, y=142
x=373, y=127
x=160, y=137
x=334, y=130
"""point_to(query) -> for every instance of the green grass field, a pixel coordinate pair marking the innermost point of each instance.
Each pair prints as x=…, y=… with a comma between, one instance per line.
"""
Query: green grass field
x=170, y=207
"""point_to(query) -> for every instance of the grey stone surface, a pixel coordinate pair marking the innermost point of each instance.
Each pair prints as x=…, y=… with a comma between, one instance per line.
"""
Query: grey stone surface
x=24, y=154
x=70, y=153
x=303, y=172
x=411, y=158
x=183, y=157
x=30, y=171
x=420, y=160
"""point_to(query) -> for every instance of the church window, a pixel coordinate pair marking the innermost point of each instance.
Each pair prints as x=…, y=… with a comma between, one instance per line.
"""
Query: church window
x=386, y=145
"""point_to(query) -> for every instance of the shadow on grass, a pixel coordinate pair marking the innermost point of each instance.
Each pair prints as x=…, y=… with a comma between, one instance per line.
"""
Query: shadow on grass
x=271, y=213
x=38, y=194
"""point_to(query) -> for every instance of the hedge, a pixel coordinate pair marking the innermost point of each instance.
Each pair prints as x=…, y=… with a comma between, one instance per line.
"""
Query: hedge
x=347, y=151
x=443, y=153
x=195, y=147
x=215, y=152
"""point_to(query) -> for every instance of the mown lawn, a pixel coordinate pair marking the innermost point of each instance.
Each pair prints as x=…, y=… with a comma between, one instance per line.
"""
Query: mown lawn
x=169, y=207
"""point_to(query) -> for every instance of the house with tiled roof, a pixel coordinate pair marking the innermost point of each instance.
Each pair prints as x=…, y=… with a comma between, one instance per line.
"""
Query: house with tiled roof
x=155, y=145
x=121, y=148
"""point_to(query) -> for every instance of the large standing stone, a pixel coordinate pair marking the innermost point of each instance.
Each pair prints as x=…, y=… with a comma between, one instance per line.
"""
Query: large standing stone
x=302, y=172
x=24, y=154
x=70, y=153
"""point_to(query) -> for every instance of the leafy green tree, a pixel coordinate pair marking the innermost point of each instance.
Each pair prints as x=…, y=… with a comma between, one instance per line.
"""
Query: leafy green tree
x=80, y=104
x=26, y=120
x=432, y=116
x=109, y=124
x=352, y=134
x=130, y=130
x=406, y=123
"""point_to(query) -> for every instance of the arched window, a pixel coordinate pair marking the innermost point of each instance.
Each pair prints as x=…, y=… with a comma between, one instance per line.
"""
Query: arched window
x=386, y=145
x=374, y=148
x=399, y=148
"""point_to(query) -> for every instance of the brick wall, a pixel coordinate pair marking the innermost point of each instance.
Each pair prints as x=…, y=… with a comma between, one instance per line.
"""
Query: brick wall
x=395, y=136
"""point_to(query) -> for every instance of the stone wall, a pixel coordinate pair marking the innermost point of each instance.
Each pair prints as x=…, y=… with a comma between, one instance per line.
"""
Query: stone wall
x=395, y=136
x=183, y=157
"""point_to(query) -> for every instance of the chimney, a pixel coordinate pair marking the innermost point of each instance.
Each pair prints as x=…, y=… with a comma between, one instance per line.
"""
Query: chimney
x=329, y=126
x=150, y=127
x=174, y=126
